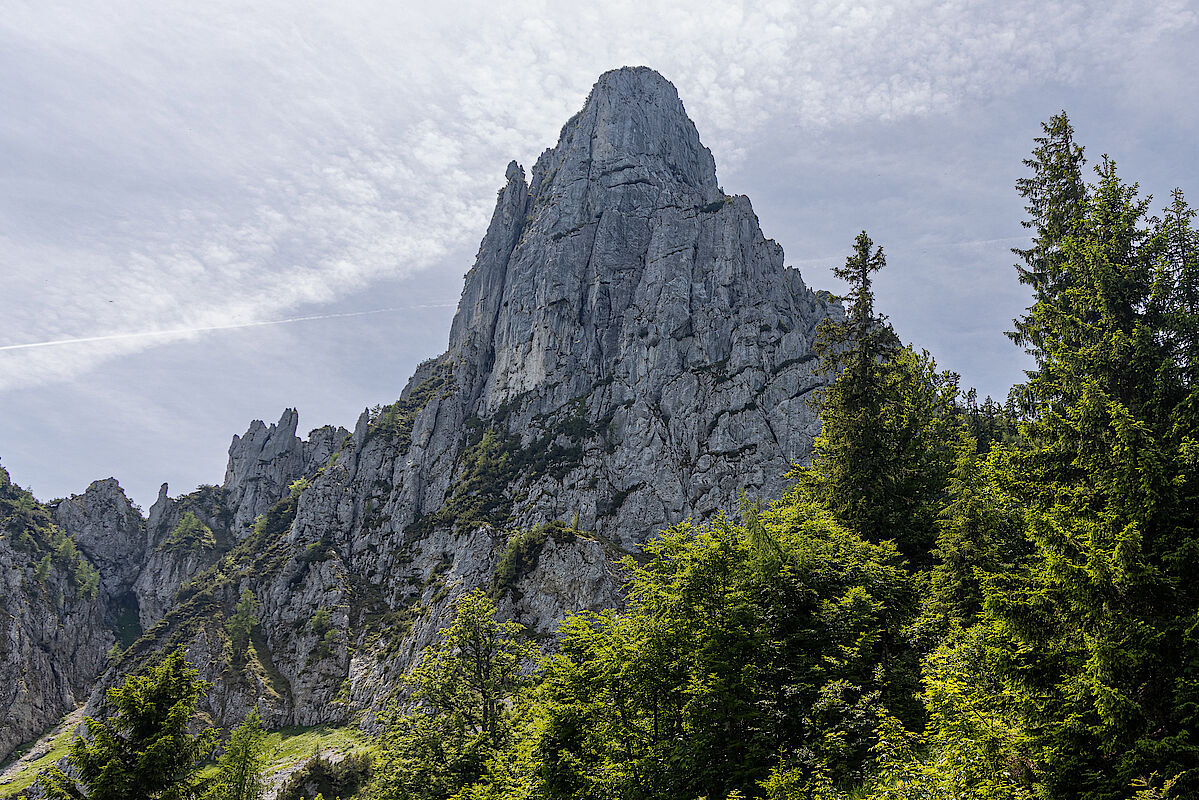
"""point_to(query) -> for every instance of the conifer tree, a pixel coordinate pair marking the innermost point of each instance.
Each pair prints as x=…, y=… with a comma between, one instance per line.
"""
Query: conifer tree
x=885, y=448
x=144, y=750
x=1054, y=195
x=240, y=775
x=1100, y=623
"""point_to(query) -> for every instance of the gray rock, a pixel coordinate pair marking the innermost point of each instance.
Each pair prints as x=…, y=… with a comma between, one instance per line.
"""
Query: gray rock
x=53, y=635
x=262, y=463
x=109, y=530
x=629, y=352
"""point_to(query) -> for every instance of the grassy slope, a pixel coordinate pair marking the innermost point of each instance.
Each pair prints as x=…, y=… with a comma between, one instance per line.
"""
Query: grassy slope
x=289, y=747
x=41, y=754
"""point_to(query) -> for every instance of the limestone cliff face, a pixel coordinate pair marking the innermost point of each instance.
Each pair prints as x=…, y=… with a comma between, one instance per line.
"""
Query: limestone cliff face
x=266, y=460
x=622, y=286
x=629, y=351
x=110, y=531
x=53, y=632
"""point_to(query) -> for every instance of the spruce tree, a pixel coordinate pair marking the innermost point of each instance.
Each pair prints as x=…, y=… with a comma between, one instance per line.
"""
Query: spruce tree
x=885, y=449
x=1054, y=195
x=143, y=751
x=1100, y=624
x=240, y=767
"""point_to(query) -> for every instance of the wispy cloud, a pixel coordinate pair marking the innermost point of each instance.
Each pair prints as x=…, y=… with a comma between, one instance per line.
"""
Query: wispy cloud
x=187, y=168
x=178, y=332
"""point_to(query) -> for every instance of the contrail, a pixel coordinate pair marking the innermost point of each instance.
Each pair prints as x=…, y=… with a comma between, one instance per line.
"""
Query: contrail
x=177, y=331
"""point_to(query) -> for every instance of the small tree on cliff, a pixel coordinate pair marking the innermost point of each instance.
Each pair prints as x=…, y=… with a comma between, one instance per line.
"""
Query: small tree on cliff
x=144, y=750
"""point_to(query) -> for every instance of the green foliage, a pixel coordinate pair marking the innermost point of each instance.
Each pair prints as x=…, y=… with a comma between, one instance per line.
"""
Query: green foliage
x=328, y=643
x=487, y=469
x=479, y=496
x=463, y=686
x=241, y=624
x=1054, y=197
x=888, y=421
x=980, y=533
x=492, y=461
x=42, y=571
x=1097, y=636
x=23, y=520
x=725, y=660
x=189, y=535
x=210, y=593
x=143, y=749
x=80, y=571
x=30, y=527
x=240, y=768
x=53, y=747
x=276, y=520
x=321, y=621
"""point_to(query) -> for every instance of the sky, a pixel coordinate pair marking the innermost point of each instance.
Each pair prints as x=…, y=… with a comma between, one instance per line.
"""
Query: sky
x=210, y=212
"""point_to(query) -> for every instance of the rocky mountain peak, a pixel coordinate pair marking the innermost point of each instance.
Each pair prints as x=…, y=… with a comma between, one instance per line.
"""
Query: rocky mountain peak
x=629, y=352
x=109, y=530
x=632, y=131
x=621, y=259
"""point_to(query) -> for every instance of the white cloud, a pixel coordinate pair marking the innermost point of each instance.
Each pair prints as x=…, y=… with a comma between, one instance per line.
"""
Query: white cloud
x=211, y=164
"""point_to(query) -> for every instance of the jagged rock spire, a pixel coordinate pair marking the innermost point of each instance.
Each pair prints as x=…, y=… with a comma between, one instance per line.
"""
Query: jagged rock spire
x=629, y=352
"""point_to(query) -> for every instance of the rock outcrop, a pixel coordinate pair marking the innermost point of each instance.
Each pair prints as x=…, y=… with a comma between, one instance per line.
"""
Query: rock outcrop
x=110, y=531
x=629, y=351
x=53, y=632
x=266, y=460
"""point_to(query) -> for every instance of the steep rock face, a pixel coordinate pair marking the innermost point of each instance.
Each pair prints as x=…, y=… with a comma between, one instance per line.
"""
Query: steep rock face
x=166, y=567
x=629, y=351
x=262, y=463
x=621, y=280
x=110, y=531
x=53, y=636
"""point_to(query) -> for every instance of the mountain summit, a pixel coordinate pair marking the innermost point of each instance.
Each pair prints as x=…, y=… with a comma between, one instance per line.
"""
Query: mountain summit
x=629, y=351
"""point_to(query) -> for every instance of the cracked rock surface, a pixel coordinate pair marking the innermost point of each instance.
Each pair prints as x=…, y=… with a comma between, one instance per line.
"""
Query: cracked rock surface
x=629, y=352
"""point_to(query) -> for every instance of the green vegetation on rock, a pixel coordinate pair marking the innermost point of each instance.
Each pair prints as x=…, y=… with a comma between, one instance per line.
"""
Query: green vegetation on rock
x=190, y=534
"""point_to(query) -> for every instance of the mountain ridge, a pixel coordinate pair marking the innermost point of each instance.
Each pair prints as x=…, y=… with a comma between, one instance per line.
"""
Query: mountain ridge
x=629, y=351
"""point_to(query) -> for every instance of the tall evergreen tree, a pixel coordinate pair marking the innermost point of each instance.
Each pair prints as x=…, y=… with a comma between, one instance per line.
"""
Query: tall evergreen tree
x=1176, y=293
x=1101, y=624
x=1054, y=195
x=144, y=750
x=885, y=449
x=240, y=767
x=979, y=534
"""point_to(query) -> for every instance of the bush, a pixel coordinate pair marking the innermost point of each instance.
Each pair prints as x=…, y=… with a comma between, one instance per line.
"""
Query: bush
x=190, y=534
x=329, y=778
